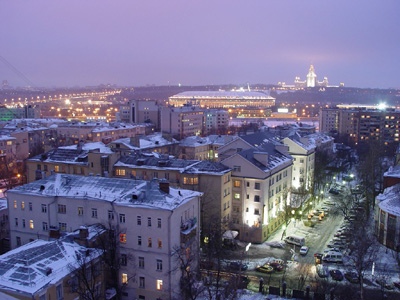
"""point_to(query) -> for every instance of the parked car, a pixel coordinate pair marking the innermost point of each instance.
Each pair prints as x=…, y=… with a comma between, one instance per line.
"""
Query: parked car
x=336, y=275
x=352, y=277
x=266, y=268
x=332, y=249
x=384, y=283
x=237, y=266
x=334, y=191
x=322, y=271
x=304, y=250
x=277, y=266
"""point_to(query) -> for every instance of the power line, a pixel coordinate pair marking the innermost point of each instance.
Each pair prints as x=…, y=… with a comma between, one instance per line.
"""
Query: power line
x=16, y=71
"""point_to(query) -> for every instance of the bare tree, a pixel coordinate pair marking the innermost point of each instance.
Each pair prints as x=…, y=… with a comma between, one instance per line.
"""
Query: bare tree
x=87, y=278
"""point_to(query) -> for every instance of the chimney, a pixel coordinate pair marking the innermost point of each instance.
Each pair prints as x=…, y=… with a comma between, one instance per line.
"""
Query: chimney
x=135, y=141
x=79, y=146
x=164, y=185
x=83, y=232
x=54, y=233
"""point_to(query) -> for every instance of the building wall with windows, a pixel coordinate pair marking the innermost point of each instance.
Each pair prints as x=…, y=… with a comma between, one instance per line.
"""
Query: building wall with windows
x=151, y=221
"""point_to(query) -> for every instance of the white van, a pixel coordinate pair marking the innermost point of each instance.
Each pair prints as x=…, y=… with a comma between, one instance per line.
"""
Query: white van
x=295, y=240
x=333, y=257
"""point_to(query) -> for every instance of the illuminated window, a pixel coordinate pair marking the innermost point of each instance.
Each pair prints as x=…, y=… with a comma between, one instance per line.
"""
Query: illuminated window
x=236, y=183
x=15, y=204
x=159, y=284
x=56, y=168
x=31, y=224
x=122, y=238
x=9, y=143
x=159, y=243
x=124, y=278
x=149, y=243
x=22, y=205
x=80, y=211
x=120, y=172
x=62, y=226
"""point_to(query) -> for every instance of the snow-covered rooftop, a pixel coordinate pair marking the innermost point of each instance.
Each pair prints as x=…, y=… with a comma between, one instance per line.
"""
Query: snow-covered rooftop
x=3, y=203
x=146, y=142
x=393, y=171
x=197, y=141
x=101, y=147
x=124, y=192
x=389, y=200
x=6, y=138
x=36, y=265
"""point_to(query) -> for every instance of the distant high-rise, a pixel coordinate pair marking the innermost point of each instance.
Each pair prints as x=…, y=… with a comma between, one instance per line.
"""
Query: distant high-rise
x=311, y=77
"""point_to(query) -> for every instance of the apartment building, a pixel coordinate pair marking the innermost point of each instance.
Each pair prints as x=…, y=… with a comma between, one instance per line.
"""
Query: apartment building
x=211, y=178
x=182, y=121
x=151, y=219
x=8, y=147
x=94, y=159
x=216, y=121
x=261, y=183
x=303, y=155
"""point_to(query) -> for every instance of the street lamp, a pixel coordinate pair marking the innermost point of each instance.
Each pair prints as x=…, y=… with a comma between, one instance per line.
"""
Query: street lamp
x=293, y=211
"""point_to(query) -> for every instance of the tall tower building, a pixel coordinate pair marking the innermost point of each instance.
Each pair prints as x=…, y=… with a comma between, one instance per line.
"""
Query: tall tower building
x=311, y=77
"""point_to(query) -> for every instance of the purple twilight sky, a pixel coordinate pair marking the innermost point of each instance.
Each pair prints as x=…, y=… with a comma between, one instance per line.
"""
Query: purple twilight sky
x=138, y=42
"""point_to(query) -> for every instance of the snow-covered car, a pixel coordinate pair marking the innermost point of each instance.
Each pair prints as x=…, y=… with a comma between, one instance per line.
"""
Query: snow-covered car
x=322, y=271
x=336, y=275
x=303, y=250
x=384, y=283
x=352, y=277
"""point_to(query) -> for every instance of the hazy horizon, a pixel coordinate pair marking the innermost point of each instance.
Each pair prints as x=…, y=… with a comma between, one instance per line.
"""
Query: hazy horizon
x=129, y=43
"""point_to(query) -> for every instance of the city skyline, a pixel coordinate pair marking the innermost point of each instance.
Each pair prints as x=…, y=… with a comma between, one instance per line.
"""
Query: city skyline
x=125, y=43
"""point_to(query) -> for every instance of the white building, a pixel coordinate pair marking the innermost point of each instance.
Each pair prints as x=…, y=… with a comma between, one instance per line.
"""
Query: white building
x=152, y=220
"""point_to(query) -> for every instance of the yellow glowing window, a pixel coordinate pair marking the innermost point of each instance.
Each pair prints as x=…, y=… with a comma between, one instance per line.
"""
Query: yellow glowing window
x=122, y=238
x=159, y=243
x=120, y=172
x=9, y=143
x=31, y=224
x=124, y=278
x=57, y=168
x=236, y=183
x=15, y=204
x=159, y=284
x=22, y=205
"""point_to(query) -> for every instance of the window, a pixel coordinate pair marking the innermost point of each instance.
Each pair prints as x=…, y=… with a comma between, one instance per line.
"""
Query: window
x=159, y=284
x=256, y=185
x=18, y=241
x=23, y=223
x=16, y=222
x=256, y=211
x=122, y=238
x=45, y=227
x=122, y=218
x=155, y=174
x=44, y=208
x=30, y=206
x=56, y=169
x=80, y=211
x=190, y=180
x=62, y=226
x=237, y=168
x=237, y=196
x=110, y=215
x=158, y=223
x=139, y=220
x=120, y=172
x=22, y=205
x=141, y=282
x=124, y=260
x=31, y=224
x=159, y=265
x=62, y=209
x=94, y=213
x=301, y=160
x=149, y=243
x=236, y=183
x=15, y=203
x=141, y=262
x=149, y=221
x=59, y=290
x=124, y=278
x=159, y=243
x=139, y=240
x=256, y=198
